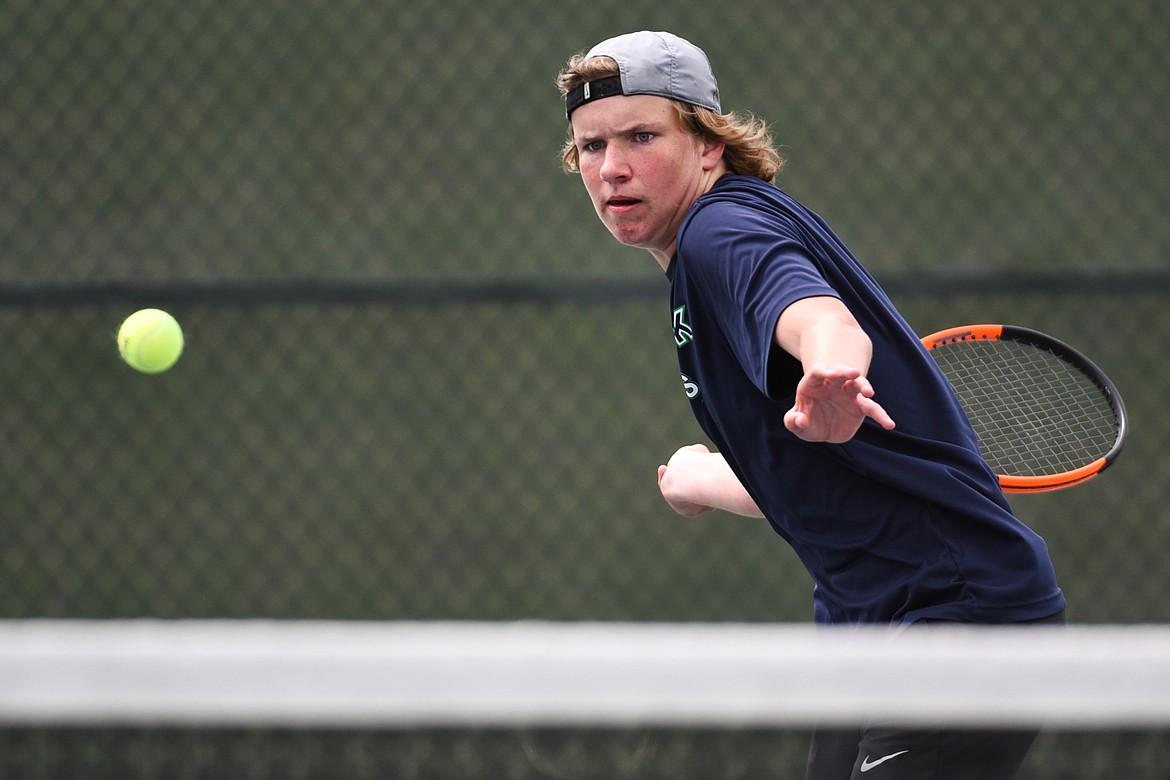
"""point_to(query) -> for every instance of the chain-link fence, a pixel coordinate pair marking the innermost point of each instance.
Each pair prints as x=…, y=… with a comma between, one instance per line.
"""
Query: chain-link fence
x=422, y=382
x=475, y=453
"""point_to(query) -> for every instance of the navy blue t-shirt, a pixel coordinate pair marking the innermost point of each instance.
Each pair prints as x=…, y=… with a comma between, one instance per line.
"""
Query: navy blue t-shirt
x=894, y=526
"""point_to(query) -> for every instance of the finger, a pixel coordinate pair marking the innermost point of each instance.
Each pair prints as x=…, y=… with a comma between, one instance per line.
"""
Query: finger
x=836, y=373
x=863, y=387
x=877, y=412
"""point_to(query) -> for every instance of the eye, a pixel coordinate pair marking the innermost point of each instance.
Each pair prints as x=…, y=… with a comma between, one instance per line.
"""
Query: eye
x=592, y=146
x=644, y=137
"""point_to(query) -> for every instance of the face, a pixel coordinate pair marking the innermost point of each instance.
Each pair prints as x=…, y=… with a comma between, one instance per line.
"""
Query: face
x=642, y=170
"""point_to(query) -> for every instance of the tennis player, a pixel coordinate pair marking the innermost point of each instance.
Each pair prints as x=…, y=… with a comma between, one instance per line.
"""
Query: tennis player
x=826, y=415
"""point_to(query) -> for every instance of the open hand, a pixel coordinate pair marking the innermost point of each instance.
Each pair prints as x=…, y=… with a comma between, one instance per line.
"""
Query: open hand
x=831, y=404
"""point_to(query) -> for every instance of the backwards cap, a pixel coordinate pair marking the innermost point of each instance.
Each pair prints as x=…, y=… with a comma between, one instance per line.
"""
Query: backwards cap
x=651, y=63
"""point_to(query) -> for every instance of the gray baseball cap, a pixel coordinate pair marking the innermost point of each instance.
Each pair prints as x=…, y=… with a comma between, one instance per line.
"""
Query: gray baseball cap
x=651, y=63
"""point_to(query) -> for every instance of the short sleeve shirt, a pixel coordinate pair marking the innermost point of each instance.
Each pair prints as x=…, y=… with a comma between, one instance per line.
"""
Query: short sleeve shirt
x=893, y=526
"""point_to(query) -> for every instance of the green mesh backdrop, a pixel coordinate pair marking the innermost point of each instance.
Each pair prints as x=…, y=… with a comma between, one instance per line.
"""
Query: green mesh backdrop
x=422, y=381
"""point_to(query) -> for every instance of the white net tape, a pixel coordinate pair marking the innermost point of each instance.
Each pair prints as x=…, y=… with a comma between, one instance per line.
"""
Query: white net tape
x=402, y=674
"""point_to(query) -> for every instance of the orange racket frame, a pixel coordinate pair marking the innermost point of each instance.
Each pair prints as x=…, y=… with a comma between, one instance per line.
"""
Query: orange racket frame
x=1012, y=483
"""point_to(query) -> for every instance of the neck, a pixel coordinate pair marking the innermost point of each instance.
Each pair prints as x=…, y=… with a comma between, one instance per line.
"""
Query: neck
x=665, y=255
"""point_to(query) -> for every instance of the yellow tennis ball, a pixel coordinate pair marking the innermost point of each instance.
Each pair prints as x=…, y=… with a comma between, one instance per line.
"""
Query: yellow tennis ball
x=150, y=340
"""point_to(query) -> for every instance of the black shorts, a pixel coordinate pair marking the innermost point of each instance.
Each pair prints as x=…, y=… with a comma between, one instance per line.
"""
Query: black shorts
x=878, y=750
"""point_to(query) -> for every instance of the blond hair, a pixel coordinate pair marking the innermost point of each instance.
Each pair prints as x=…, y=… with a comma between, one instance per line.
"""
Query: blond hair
x=749, y=149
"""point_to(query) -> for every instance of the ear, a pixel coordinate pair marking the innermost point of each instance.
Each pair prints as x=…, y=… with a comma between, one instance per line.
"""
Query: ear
x=712, y=153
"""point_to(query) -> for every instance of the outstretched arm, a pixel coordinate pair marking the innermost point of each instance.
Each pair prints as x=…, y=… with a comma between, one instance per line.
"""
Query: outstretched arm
x=696, y=480
x=834, y=396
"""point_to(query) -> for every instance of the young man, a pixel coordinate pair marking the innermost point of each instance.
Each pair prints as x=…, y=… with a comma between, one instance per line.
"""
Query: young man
x=828, y=417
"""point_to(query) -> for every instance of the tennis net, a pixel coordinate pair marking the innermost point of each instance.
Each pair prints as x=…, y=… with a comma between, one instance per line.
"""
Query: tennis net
x=528, y=678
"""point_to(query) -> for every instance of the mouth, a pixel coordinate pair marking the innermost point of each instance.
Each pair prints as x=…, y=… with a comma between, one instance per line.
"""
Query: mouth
x=621, y=204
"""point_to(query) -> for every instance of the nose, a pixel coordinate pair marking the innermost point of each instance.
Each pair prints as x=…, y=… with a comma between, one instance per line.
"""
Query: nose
x=614, y=166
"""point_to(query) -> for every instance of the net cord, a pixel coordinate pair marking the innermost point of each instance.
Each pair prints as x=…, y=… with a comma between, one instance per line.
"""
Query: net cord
x=533, y=674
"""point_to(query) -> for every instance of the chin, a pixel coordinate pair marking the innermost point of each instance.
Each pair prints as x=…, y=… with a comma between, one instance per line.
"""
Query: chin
x=629, y=239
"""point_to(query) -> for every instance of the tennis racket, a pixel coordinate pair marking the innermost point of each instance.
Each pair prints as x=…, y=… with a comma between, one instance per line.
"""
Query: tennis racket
x=1046, y=417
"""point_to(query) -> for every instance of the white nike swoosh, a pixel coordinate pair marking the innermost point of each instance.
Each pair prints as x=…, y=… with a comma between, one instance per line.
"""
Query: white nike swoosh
x=867, y=765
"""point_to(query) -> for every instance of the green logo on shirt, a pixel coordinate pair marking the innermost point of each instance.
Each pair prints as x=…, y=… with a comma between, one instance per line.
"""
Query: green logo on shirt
x=683, y=333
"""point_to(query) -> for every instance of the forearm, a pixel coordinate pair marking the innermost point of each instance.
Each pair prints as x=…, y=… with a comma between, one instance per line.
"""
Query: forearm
x=731, y=496
x=834, y=396
x=822, y=332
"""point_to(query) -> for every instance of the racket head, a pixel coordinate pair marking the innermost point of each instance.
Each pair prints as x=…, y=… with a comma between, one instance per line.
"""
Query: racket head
x=1046, y=416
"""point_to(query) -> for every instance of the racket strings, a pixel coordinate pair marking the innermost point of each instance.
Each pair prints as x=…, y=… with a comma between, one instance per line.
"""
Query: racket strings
x=1034, y=412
